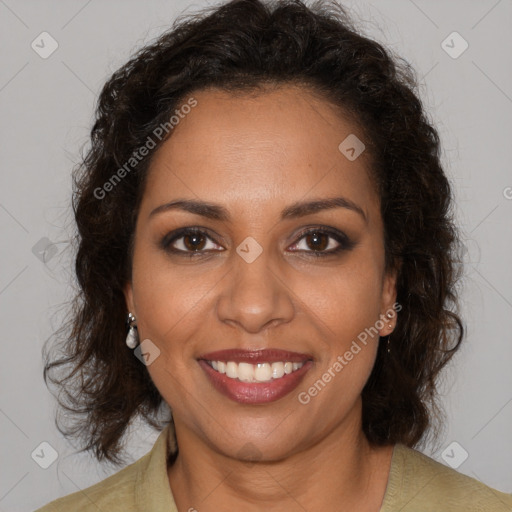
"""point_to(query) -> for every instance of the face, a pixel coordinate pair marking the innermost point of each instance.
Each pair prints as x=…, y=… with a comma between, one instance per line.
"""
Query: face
x=260, y=275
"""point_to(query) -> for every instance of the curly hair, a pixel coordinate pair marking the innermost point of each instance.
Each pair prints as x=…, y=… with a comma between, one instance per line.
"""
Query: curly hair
x=244, y=45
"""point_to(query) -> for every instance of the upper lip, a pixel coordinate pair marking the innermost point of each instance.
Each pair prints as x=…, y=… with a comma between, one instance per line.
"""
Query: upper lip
x=269, y=355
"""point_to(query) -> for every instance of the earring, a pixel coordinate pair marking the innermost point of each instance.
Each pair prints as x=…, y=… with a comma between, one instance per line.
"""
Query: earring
x=132, y=338
x=388, y=347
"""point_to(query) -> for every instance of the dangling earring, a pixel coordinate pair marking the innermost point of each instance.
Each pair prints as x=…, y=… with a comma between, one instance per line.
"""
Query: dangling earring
x=388, y=348
x=132, y=338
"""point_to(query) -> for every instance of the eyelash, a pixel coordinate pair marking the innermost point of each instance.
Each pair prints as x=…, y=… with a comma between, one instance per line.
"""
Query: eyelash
x=345, y=244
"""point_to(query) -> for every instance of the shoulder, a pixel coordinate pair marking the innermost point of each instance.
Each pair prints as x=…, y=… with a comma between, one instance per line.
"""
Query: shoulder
x=117, y=492
x=143, y=485
x=420, y=483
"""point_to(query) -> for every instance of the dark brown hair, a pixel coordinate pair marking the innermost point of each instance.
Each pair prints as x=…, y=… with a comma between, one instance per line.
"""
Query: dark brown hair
x=242, y=46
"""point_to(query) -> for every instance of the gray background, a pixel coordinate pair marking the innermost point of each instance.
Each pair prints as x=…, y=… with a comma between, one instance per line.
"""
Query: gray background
x=47, y=107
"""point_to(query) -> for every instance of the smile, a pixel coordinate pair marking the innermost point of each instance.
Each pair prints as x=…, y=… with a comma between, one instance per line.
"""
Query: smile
x=255, y=377
x=260, y=372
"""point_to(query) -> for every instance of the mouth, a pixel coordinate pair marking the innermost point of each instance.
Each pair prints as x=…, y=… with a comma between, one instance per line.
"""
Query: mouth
x=255, y=377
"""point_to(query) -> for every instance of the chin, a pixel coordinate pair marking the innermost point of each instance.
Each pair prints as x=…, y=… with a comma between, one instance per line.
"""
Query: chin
x=267, y=443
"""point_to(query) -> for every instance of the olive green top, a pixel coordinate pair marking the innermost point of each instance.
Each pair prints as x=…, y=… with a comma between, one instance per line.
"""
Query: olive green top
x=416, y=483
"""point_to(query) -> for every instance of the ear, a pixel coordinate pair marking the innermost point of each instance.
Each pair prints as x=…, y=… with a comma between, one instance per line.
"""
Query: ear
x=388, y=313
x=128, y=296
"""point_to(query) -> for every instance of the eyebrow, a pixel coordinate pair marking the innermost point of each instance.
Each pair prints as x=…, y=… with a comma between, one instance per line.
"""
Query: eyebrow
x=295, y=210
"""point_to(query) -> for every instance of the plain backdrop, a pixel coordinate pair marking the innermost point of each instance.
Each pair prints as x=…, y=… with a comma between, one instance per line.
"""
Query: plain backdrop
x=46, y=113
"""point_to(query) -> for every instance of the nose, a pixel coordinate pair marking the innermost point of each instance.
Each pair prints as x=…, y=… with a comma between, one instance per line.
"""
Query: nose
x=255, y=295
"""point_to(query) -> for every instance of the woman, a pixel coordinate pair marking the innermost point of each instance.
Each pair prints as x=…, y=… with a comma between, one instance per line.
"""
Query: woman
x=265, y=248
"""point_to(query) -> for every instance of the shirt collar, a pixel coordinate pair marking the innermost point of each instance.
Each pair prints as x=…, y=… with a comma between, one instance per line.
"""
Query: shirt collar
x=152, y=489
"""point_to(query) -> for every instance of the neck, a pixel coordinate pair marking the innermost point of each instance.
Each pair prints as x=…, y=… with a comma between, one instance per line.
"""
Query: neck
x=340, y=469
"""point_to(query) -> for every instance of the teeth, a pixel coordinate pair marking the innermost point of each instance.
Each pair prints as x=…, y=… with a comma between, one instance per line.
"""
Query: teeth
x=263, y=372
x=245, y=372
x=260, y=372
x=232, y=370
x=277, y=370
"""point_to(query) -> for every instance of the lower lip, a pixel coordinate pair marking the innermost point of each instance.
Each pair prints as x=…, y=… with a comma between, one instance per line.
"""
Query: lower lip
x=255, y=392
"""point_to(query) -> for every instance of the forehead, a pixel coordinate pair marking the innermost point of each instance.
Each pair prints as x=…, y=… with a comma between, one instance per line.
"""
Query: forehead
x=281, y=144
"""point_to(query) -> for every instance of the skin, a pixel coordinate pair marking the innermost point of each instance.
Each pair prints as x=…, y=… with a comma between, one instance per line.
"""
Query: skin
x=256, y=155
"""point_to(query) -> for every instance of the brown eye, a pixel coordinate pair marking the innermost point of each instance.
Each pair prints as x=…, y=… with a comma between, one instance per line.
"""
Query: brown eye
x=323, y=242
x=317, y=241
x=190, y=242
x=194, y=241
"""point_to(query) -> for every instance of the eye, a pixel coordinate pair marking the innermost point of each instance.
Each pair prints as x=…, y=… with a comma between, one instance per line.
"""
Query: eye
x=322, y=242
x=194, y=241
x=189, y=242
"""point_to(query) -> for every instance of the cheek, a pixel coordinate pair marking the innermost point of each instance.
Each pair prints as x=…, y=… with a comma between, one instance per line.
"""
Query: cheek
x=345, y=308
x=169, y=303
x=346, y=301
x=165, y=293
